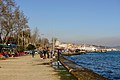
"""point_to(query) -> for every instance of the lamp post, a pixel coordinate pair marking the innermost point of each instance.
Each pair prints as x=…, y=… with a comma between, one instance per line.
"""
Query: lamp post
x=42, y=40
x=53, y=41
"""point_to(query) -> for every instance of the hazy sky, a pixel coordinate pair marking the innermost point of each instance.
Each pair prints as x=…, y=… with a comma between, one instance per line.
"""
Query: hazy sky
x=83, y=21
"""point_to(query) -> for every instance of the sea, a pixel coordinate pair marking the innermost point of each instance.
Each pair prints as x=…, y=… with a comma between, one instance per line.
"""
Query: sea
x=106, y=64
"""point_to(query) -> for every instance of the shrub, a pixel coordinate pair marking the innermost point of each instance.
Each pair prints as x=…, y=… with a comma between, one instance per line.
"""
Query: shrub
x=31, y=47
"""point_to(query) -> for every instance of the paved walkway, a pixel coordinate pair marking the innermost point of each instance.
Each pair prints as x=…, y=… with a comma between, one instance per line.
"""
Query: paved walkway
x=27, y=68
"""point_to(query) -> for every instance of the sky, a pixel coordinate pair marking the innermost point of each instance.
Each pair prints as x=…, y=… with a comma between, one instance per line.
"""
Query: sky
x=75, y=21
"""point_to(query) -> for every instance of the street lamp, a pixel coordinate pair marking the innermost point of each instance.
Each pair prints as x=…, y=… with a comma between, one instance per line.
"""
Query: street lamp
x=42, y=39
x=53, y=41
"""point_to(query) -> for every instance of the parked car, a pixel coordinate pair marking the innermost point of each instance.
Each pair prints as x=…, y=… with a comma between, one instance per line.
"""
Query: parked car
x=28, y=52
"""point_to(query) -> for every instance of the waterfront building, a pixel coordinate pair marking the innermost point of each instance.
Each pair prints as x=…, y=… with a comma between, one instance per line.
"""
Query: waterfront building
x=89, y=48
x=65, y=46
x=57, y=43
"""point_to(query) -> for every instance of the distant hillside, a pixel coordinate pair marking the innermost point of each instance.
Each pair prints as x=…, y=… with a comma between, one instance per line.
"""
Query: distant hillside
x=117, y=47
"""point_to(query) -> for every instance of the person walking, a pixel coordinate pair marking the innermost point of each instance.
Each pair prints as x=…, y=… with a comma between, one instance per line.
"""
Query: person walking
x=44, y=53
x=33, y=54
x=41, y=54
x=51, y=53
x=47, y=52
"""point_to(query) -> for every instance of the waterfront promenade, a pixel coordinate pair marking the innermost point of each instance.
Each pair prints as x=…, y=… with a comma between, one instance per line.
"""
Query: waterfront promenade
x=27, y=68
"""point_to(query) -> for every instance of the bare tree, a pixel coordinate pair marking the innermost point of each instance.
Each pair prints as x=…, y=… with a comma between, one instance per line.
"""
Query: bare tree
x=46, y=42
x=35, y=36
x=7, y=18
x=12, y=20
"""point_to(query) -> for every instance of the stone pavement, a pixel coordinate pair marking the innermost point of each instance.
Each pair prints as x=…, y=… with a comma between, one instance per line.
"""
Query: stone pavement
x=27, y=68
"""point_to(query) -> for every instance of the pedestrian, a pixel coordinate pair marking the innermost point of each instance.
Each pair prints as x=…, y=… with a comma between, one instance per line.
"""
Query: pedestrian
x=41, y=54
x=33, y=54
x=44, y=53
x=47, y=51
x=51, y=53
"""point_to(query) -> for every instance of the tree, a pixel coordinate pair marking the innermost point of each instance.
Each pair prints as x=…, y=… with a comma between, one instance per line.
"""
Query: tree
x=31, y=47
x=54, y=40
x=7, y=18
x=45, y=42
x=35, y=36
x=11, y=40
x=12, y=20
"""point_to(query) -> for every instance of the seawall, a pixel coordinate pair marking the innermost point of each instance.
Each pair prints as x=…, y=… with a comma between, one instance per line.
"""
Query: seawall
x=80, y=72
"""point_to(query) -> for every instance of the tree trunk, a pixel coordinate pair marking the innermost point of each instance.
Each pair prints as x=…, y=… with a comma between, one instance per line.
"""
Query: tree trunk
x=5, y=39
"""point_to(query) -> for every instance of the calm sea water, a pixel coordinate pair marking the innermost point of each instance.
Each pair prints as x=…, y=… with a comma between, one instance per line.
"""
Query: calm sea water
x=106, y=64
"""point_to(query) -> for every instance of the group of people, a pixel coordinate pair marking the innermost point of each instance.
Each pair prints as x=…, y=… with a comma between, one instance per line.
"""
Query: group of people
x=11, y=53
x=44, y=53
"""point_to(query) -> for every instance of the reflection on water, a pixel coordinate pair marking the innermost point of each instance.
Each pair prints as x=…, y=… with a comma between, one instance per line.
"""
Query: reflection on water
x=63, y=72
